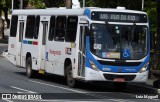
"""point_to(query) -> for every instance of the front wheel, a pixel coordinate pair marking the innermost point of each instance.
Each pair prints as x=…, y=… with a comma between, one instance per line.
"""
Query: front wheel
x=29, y=70
x=70, y=80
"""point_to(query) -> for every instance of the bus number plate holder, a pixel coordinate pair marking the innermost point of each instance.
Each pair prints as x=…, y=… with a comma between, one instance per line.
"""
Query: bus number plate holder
x=119, y=79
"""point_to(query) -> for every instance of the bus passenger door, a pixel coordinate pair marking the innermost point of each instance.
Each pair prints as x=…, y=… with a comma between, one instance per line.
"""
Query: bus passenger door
x=82, y=51
x=43, y=47
x=19, y=43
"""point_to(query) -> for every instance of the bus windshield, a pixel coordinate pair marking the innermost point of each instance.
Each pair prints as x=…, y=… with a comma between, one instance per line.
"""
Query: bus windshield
x=110, y=41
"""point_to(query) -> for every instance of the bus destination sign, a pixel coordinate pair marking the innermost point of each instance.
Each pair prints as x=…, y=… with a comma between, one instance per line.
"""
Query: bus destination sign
x=119, y=17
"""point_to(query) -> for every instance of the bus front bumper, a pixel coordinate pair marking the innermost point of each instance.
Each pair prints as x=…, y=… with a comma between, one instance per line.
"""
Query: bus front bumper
x=92, y=75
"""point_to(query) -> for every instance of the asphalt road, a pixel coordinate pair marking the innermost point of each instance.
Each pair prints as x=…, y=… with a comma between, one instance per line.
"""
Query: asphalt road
x=13, y=82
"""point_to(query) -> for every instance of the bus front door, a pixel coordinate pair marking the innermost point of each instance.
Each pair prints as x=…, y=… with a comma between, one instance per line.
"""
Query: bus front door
x=43, y=47
x=82, y=52
x=19, y=43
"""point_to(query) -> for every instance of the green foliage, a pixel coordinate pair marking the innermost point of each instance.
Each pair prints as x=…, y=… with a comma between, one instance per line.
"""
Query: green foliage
x=5, y=3
x=150, y=8
x=37, y=3
x=88, y=3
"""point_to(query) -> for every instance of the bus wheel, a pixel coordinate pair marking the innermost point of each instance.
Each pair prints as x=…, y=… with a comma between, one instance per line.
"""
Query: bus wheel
x=70, y=80
x=29, y=70
x=120, y=86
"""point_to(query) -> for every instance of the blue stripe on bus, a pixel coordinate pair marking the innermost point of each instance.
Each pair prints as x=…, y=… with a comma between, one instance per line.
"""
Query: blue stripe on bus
x=87, y=12
x=25, y=42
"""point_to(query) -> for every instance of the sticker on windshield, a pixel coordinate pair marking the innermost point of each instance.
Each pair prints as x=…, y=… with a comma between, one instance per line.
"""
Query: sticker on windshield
x=126, y=53
x=97, y=46
x=111, y=55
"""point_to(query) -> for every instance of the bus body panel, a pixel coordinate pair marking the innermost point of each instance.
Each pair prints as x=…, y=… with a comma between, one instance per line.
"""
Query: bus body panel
x=43, y=33
x=32, y=49
x=12, y=50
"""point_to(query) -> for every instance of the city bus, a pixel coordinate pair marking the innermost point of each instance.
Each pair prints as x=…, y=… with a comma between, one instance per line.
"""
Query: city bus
x=86, y=44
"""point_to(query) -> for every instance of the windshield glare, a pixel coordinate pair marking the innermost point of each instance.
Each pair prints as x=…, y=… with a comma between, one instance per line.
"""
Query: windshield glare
x=118, y=41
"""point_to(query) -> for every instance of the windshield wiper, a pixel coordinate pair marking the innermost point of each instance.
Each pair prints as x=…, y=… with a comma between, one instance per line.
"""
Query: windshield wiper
x=132, y=32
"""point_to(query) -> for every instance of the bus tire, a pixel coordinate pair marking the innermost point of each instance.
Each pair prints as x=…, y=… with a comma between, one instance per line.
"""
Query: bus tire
x=29, y=70
x=70, y=80
x=120, y=86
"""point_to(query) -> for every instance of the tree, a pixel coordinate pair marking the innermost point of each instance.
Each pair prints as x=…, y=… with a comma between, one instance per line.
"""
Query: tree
x=37, y=3
x=6, y=6
x=54, y=3
x=150, y=8
x=158, y=25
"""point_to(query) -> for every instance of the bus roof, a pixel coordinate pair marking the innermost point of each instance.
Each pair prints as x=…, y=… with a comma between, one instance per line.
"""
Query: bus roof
x=62, y=11
x=49, y=12
x=114, y=10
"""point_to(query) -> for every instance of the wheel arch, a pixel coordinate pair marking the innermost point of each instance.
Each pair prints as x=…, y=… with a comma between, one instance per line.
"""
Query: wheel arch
x=67, y=62
x=28, y=55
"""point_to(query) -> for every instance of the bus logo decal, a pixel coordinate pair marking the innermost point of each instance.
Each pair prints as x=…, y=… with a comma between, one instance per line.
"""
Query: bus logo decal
x=55, y=52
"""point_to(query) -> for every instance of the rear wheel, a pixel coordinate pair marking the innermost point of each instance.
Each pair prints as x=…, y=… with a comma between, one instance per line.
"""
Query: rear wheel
x=29, y=70
x=70, y=80
x=120, y=86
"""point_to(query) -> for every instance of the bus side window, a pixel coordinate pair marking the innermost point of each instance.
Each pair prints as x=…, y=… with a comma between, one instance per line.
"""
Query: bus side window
x=52, y=28
x=14, y=23
x=30, y=27
x=37, y=27
x=71, y=29
x=60, y=28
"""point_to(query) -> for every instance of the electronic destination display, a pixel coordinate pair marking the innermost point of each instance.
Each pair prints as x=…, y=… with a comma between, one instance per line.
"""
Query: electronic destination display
x=119, y=17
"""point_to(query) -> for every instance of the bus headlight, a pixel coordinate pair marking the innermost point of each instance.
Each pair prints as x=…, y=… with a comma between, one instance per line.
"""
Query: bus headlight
x=144, y=68
x=93, y=65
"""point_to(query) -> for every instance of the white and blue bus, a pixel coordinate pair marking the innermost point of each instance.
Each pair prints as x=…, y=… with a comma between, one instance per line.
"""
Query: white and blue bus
x=89, y=44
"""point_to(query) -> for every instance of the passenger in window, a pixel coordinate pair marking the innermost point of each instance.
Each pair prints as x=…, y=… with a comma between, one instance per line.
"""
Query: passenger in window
x=61, y=36
x=60, y=32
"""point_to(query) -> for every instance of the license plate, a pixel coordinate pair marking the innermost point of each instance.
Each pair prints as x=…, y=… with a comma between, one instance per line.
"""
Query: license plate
x=119, y=79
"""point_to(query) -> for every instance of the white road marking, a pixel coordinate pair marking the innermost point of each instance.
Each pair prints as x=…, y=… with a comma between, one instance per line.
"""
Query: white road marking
x=8, y=100
x=57, y=86
x=22, y=89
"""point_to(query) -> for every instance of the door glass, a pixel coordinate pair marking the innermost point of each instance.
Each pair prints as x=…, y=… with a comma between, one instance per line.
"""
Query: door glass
x=81, y=59
x=45, y=31
x=21, y=28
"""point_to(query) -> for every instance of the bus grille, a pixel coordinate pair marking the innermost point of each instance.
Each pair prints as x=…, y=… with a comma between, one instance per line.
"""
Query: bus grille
x=126, y=77
x=119, y=63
